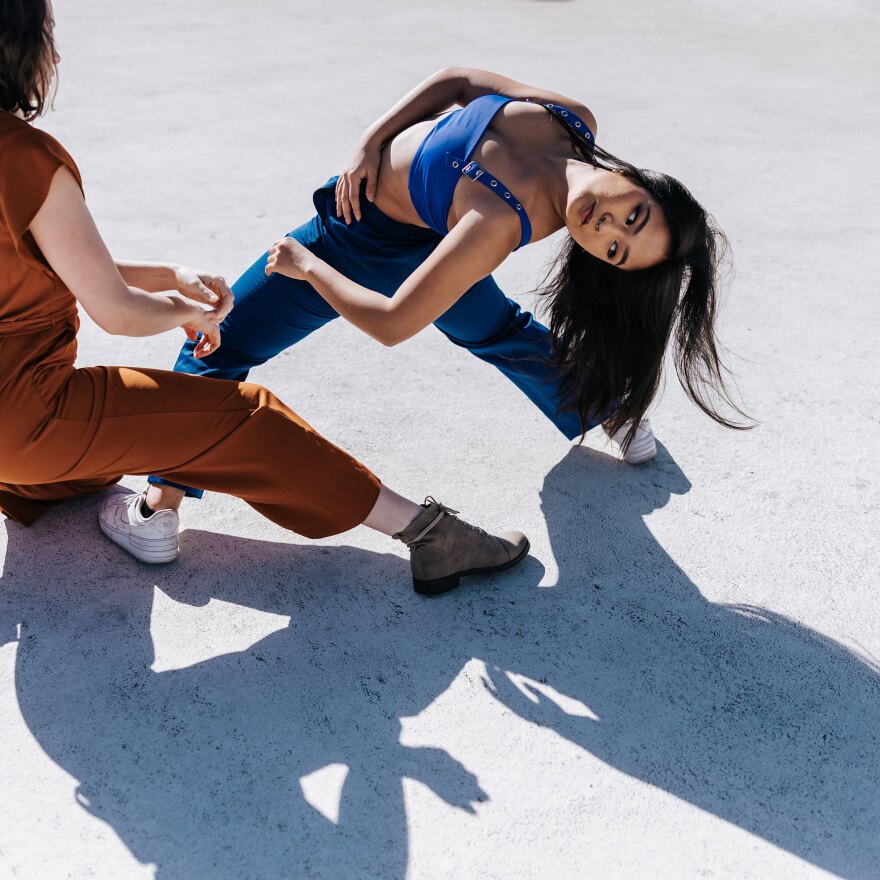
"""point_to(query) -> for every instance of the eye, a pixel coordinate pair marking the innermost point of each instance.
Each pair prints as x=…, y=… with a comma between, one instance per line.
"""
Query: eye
x=612, y=251
x=634, y=216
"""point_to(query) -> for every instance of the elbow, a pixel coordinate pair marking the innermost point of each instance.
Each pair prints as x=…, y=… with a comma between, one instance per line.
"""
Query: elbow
x=389, y=338
x=458, y=76
x=390, y=329
x=447, y=73
x=114, y=324
x=390, y=333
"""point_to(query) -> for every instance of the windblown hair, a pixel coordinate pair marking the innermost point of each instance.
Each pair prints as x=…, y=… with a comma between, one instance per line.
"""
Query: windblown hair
x=612, y=327
x=27, y=56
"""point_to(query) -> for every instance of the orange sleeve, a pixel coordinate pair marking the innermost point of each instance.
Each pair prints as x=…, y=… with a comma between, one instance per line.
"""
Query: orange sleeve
x=29, y=160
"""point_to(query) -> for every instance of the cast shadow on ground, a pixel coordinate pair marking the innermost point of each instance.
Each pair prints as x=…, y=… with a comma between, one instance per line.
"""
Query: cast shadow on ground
x=737, y=710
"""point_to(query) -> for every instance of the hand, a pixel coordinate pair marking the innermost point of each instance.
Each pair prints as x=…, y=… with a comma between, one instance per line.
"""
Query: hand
x=288, y=257
x=203, y=287
x=206, y=324
x=364, y=166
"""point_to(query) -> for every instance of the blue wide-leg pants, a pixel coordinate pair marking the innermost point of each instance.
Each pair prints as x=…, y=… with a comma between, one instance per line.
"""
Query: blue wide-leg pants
x=275, y=312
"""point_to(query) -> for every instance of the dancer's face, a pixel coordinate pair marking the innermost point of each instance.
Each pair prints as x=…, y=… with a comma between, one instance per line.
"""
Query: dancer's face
x=615, y=220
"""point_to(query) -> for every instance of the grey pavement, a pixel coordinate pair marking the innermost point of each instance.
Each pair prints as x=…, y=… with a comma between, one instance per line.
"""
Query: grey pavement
x=681, y=682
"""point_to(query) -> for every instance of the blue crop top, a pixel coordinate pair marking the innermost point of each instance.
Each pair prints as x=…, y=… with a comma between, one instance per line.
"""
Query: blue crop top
x=444, y=156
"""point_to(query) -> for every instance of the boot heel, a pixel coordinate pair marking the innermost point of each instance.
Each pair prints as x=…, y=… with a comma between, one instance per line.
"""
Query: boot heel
x=435, y=588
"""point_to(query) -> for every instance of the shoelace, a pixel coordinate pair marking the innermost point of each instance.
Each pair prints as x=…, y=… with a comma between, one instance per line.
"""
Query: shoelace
x=443, y=510
x=429, y=499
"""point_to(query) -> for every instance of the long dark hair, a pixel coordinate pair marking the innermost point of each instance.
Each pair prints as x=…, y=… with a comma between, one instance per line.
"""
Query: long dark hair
x=612, y=327
x=27, y=56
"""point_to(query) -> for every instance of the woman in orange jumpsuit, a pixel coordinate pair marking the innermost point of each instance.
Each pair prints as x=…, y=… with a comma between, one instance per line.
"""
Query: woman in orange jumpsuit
x=67, y=432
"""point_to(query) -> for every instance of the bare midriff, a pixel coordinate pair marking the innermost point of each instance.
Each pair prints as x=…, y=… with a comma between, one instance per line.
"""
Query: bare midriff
x=519, y=135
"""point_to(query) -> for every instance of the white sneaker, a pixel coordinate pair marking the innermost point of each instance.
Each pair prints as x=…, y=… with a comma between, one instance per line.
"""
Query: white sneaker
x=150, y=539
x=644, y=446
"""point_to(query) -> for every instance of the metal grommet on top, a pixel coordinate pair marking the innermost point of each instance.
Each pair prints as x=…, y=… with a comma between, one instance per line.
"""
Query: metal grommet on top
x=506, y=195
x=494, y=183
x=565, y=112
x=455, y=164
x=577, y=125
x=518, y=206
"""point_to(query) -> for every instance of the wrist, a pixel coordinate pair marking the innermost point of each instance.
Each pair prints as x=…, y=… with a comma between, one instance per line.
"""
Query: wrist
x=173, y=271
x=185, y=311
x=310, y=265
x=373, y=138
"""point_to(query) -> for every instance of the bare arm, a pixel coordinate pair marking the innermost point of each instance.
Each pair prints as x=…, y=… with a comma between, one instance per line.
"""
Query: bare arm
x=152, y=277
x=471, y=251
x=203, y=287
x=459, y=85
x=476, y=83
x=69, y=240
x=446, y=88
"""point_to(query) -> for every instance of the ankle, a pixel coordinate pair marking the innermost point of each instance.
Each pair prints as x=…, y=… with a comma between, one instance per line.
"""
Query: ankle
x=161, y=497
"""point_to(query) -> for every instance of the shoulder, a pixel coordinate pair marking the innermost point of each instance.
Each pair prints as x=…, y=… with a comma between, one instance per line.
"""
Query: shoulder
x=583, y=112
x=568, y=107
x=29, y=161
x=23, y=146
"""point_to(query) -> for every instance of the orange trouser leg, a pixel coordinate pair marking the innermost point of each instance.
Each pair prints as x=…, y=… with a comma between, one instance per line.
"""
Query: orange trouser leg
x=223, y=436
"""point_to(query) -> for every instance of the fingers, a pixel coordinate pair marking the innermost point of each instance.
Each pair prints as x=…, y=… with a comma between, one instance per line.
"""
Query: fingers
x=204, y=287
x=210, y=341
x=272, y=260
x=218, y=285
x=206, y=294
x=355, y=197
x=203, y=348
x=197, y=289
x=339, y=184
x=225, y=299
x=371, y=187
x=355, y=200
x=346, y=200
x=348, y=193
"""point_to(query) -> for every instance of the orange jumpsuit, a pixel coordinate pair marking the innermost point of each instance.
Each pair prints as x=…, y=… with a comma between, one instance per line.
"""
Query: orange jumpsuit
x=67, y=432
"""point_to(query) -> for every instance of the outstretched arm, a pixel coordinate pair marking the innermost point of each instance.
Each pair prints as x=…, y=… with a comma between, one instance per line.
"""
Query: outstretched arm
x=70, y=242
x=471, y=251
x=203, y=287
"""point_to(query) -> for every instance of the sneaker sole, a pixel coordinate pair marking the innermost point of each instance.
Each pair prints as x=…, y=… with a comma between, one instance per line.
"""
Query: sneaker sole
x=450, y=582
x=641, y=458
x=163, y=551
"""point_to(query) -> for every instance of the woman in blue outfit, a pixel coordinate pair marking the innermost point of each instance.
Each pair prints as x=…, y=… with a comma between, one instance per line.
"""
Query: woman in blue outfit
x=434, y=200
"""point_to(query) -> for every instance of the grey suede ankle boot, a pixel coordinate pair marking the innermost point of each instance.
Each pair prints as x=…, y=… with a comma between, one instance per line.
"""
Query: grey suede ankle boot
x=444, y=549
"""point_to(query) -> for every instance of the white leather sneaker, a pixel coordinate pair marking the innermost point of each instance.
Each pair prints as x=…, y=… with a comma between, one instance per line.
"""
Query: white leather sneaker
x=151, y=539
x=644, y=446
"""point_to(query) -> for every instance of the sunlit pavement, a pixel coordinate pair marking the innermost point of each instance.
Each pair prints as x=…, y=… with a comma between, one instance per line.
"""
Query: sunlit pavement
x=679, y=683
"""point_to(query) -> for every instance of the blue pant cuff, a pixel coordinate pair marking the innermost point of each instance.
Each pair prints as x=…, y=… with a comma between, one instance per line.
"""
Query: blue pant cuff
x=190, y=492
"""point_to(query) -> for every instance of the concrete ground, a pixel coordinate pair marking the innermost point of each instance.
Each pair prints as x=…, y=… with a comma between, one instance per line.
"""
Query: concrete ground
x=682, y=681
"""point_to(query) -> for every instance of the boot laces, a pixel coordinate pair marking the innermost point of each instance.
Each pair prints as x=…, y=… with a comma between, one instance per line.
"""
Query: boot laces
x=430, y=499
x=443, y=511
x=448, y=510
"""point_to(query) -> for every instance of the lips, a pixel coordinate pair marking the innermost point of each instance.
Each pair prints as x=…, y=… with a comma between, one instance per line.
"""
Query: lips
x=587, y=215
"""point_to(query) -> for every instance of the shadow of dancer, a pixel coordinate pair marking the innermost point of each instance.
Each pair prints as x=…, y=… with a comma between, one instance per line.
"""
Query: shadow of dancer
x=738, y=710
x=197, y=769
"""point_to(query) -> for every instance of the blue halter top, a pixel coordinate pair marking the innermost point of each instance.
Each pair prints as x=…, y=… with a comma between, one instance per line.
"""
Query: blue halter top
x=444, y=156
